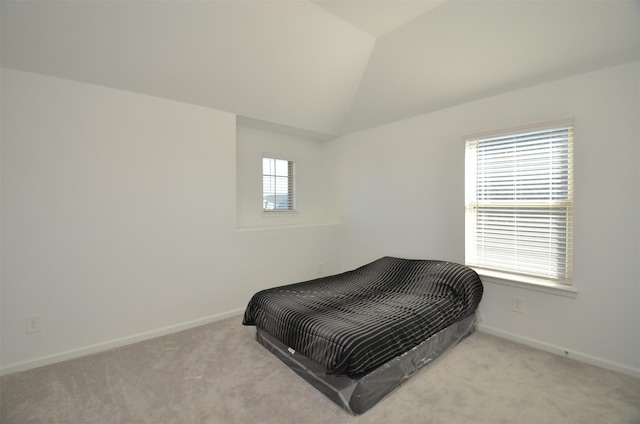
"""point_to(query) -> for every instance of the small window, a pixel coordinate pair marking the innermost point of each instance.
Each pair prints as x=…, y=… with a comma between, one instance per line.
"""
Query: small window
x=278, y=185
x=519, y=203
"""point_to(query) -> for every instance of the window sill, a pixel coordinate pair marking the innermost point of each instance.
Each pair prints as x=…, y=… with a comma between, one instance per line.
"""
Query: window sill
x=279, y=213
x=526, y=283
x=286, y=227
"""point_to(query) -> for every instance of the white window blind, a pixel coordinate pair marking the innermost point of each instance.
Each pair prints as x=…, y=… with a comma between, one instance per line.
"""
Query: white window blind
x=519, y=202
x=278, y=185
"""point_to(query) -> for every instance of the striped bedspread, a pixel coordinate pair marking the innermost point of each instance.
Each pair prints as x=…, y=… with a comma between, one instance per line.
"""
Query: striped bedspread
x=352, y=322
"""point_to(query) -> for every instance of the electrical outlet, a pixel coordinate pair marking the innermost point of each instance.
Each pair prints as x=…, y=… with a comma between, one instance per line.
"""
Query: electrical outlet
x=33, y=324
x=517, y=304
x=320, y=268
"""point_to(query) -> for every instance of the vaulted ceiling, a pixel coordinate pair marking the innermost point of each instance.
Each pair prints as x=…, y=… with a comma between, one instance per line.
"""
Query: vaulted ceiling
x=326, y=67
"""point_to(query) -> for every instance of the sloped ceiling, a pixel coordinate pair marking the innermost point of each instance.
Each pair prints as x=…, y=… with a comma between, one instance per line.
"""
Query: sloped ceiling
x=377, y=17
x=325, y=67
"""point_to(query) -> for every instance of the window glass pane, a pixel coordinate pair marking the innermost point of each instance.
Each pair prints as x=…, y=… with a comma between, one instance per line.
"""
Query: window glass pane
x=277, y=185
x=268, y=166
x=282, y=167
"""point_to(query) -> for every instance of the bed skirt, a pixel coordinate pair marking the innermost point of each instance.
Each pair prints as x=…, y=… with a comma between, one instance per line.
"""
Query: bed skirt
x=357, y=394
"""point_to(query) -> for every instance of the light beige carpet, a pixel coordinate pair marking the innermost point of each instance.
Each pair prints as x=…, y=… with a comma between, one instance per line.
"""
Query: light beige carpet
x=218, y=373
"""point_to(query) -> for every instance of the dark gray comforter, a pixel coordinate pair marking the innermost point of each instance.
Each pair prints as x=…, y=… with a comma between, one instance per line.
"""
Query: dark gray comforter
x=352, y=322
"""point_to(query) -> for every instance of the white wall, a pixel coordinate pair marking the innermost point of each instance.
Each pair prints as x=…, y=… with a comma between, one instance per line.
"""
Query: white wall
x=119, y=220
x=119, y=217
x=403, y=194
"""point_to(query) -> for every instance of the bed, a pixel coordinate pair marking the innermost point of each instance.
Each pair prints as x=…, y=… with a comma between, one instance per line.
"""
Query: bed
x=357, y=335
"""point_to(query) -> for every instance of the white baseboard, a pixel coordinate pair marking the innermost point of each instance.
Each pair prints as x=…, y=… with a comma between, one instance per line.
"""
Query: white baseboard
x=592, y=360
x=100, y=347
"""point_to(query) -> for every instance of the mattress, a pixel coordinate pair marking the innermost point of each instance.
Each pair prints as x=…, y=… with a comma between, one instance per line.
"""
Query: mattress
x=359, y=394
x=354, y=322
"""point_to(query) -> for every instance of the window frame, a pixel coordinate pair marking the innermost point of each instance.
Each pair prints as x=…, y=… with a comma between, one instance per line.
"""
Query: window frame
x=291, y=185
x=471, y=202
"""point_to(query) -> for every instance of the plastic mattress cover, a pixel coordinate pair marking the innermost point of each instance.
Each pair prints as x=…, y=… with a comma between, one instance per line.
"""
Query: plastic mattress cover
x=358, y=394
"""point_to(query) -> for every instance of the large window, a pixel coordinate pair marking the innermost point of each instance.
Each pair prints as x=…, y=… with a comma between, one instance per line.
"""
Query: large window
x=278, y=185
x=519, y=203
